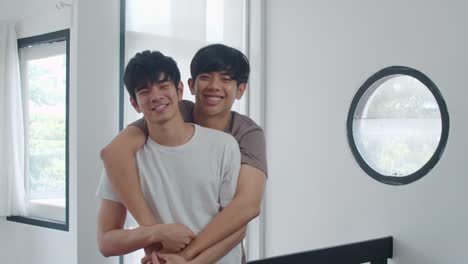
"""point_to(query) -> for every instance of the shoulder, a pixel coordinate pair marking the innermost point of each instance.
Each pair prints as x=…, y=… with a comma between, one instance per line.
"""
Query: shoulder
x=251, y=139
x=242, y=124
x=218, y=142
x=215, y=136
x=243, y=128
x=186, y=105
x=146, y=152
x=243, y=121
x=186, y=109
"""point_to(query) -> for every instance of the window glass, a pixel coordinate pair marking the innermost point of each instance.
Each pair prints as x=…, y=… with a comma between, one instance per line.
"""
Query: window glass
x=43, y=70
x=179, y=28
x=397, y=125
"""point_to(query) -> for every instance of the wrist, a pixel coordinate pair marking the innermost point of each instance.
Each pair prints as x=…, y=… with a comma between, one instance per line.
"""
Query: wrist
x=148, y=222
x=194, y=261
x=187, y=254
x=155, y=233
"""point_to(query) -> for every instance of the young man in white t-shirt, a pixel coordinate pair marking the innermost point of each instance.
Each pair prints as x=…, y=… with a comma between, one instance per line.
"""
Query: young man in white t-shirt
x=187, y=173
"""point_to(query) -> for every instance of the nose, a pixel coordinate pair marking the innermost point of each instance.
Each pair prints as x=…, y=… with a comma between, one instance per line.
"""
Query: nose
x=155, y=95
x=215, y=84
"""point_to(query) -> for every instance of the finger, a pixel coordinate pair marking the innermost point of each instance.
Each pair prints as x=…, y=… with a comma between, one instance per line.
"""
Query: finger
x=146, y=260
x=163, y=255
x=154, y=258
x=166, y=250
x=172, y=250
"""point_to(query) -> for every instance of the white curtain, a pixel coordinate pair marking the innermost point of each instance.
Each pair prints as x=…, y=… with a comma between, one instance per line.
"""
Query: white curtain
x=13, y=199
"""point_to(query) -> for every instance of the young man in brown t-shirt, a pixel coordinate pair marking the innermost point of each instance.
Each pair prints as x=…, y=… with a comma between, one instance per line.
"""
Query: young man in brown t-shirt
x=219, y=76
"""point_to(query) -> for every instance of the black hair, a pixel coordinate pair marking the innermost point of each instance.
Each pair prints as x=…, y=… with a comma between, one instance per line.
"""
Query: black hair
x=149, y=67
x=221, y=58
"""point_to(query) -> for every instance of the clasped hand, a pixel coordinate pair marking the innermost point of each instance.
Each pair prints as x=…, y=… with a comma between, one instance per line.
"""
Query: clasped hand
x=173, y=238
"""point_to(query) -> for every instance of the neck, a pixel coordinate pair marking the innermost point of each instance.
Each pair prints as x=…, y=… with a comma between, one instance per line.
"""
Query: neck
x=172, y=133
x=218, y=122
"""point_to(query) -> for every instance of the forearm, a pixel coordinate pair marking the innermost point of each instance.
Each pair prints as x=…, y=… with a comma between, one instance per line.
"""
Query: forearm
x=119, y=161
x=219, y=250
x=231, y=219
x=244, y=207
x=123, y=241
x=125, y=182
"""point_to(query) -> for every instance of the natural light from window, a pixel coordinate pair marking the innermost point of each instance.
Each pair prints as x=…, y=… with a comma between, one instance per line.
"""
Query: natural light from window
x=178, y=28
x=397, y=125
x=43, y=71
x=180, y=32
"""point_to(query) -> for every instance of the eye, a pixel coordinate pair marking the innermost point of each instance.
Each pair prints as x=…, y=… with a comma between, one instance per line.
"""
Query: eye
x=164, y=85
x=203, y=77
x=226, y=78
x=143, y=91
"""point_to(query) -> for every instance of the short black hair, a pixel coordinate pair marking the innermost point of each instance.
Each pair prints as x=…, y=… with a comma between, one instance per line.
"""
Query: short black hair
x=221, y=58
x=149, y=67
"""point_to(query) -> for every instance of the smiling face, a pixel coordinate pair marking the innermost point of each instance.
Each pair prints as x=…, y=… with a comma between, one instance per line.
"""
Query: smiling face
x=215, y=92
x=151, y=79
x=158, y=101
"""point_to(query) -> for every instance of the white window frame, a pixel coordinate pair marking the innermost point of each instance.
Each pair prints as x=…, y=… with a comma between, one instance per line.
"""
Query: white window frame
x=253, y=103
x=255, y=108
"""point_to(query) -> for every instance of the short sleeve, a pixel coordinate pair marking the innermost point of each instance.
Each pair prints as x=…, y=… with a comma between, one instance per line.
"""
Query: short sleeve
x=186, y=110
x=105, y=190
x=141, y=124
x=231, y=168
x=253, y=149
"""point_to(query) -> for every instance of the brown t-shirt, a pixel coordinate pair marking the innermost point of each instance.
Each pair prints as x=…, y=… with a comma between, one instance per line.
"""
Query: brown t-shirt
x=248, y=134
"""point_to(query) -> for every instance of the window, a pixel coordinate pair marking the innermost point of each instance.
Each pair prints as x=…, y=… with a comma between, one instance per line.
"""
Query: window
x=44, y=71
x=177, y=28
x=398, y=125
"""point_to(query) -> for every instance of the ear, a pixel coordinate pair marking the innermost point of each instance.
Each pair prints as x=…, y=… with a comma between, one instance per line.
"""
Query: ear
x=240, y=90
x=135, y=105
x=191, y=84
x=180, y=90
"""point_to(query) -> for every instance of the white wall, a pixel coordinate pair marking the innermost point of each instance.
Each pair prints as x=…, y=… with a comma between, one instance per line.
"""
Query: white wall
x=94, y=84
x=318, y=54
x=22, y=243
x=97, y=110
x=35, y=17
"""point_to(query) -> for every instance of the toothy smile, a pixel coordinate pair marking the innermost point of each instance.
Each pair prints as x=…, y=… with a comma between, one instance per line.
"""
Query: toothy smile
x=159, y=108
x=213, y=99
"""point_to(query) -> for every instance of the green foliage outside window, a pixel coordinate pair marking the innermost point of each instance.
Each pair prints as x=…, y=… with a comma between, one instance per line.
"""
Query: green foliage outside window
x=47, y=134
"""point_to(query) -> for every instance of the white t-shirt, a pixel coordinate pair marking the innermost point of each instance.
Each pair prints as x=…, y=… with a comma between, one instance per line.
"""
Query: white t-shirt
x=190, y=183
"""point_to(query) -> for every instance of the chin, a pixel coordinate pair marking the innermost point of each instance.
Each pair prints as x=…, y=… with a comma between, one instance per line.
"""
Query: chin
x=213, y=109
x=157, y=120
